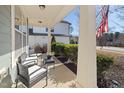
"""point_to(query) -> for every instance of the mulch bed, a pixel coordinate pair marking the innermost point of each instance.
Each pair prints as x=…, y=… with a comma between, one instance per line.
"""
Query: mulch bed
x=71, y=66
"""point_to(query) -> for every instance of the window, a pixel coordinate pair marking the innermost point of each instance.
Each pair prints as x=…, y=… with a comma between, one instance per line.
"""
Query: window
x=30, y=30
x=17, y=27
x=46, y=29
x=52, y=30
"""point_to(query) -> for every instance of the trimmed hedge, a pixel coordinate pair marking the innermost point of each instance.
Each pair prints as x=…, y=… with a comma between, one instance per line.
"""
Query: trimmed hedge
x=68, y=50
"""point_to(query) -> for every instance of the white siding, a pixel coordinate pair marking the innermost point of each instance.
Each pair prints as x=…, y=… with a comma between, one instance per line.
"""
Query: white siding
x=42, y=40
x=62, y=39
x=5, y=37
x=39, y=30
x=61, y=28
x=34, y=40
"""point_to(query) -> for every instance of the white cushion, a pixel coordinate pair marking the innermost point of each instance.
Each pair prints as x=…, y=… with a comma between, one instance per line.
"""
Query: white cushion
x=32, y=55
x=31, y=58
x=38, y=54
x=29, y=63
x=38, y=71
x=33, y=69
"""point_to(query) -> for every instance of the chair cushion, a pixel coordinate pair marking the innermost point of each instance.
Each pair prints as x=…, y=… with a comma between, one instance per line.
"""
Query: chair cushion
x=35, y=54
x=32, y=69
x=29, y=63
x=23, y=56
x=31, y=58
x=35, y=72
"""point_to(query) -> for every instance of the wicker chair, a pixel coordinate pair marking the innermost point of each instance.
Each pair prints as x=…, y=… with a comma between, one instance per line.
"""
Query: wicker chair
x=27, y=61
x=49, y=60
x=30, y=75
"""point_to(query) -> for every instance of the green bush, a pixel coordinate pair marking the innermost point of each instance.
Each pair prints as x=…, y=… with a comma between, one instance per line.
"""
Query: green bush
x=103, y=63
x=71, y=52
x=53, y=40
x=72, y=41
x=67, y=50
x=58, y=48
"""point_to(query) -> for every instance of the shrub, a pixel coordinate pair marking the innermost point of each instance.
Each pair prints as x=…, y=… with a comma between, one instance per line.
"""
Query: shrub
x=44, y=49
x=58, y=48
x=53, y=40
x=67, y=50
x=72, y=41
x=103, y=63
x=71, y=52
x=40, y=49
x=37, y=49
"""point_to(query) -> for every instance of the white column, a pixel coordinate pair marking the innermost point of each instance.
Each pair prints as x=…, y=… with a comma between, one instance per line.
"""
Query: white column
x=27, y=38
x=49, y=41
x=22, y=33
x=13, y=70
x=86, y=70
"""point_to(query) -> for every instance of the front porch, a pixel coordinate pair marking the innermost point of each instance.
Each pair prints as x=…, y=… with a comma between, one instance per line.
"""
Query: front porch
x=21, y=17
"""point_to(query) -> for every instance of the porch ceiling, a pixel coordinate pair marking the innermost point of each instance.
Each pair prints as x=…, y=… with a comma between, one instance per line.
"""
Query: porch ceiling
x=49, y=16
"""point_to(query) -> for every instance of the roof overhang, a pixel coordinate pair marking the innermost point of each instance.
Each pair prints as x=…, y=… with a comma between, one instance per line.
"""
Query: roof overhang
x=47, y=17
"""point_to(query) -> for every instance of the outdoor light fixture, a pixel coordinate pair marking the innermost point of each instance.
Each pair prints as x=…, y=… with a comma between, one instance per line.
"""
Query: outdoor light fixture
x=16, y=19
x=42, y=7
x=39, y=21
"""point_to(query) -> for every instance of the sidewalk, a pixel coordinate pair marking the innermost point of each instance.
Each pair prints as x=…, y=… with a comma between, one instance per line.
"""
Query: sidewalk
x=111, y=49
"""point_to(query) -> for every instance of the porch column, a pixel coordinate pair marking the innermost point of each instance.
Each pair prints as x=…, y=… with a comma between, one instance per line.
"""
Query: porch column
x=49, y=41
x=27, y=38
x=86, y=70
x=22, y=34
x=13, y=66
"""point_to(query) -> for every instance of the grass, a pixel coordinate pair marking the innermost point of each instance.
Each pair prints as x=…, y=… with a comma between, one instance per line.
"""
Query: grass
x=108, y=53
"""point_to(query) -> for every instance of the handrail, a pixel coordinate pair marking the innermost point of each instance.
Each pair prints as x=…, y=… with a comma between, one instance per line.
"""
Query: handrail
x=19, y=31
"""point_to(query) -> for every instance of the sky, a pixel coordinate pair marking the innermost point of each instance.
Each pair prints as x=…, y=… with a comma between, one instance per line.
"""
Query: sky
x=73, y=18
x=115, y=19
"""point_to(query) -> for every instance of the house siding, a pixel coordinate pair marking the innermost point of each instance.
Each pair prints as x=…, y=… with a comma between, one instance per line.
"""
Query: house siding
x=5, y=46
x=62, y=28
x=37, y=40
x=5, y=36
x=62, y=39
x=42, y=40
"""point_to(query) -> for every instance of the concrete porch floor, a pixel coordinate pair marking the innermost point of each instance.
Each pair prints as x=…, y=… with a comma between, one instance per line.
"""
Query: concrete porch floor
x=60, y=77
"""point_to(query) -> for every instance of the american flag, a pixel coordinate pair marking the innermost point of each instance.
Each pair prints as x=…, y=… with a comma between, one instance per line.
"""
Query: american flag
x=103, y=26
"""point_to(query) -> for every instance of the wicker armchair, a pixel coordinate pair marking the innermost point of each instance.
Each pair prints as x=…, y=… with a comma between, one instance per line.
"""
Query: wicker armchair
x=30, y=75
x=27, y=61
